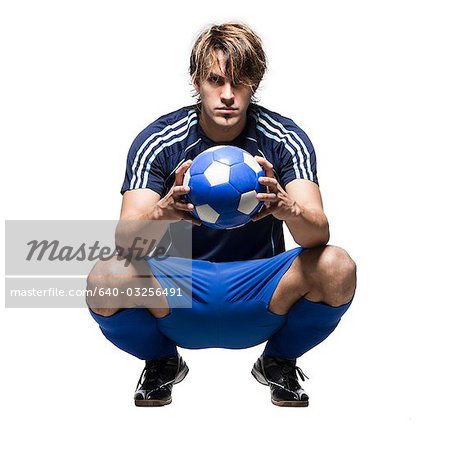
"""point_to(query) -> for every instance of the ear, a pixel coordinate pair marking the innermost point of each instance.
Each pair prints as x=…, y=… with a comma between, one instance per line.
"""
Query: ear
x=196, y=86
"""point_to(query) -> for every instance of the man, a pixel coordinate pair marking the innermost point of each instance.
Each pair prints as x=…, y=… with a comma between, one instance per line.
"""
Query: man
x=246, y=289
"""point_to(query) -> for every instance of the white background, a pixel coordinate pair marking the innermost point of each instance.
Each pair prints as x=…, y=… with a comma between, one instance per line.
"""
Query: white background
x=368, y=81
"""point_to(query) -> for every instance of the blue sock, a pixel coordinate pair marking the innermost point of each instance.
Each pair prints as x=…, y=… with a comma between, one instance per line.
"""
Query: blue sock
x=307, y=324
x=136, y=332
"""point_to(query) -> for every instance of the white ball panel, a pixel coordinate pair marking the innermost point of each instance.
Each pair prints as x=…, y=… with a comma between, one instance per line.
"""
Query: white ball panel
x=248, y=202
x=207, y=214
x=187, y=177
x=251, y=161
x=217, y=173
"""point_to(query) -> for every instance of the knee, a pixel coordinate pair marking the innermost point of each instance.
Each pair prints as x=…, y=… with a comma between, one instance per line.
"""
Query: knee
x=104, y=280
x=338, y=275
x=106, y=274
x=337, y=263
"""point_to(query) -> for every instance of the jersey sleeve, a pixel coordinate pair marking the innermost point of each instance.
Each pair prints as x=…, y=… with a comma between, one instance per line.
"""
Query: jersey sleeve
x=297, y=156
x=145, y=166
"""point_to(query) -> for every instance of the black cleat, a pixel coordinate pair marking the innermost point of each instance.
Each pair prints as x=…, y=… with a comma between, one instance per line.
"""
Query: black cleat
x=281, y=375
x=154, y=387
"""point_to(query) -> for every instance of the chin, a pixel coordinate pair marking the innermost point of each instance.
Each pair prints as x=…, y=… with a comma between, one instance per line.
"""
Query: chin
x=227, y=121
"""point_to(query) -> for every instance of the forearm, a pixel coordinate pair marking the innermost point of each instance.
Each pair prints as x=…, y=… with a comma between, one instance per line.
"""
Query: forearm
x=143, y=230
x=309, y=227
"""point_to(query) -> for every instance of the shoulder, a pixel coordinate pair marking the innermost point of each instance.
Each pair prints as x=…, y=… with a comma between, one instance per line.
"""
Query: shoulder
x=288, y=147
x=166, y=136
x=167, y=126
x=275, y=124
x=158, y=148
x=277, y=130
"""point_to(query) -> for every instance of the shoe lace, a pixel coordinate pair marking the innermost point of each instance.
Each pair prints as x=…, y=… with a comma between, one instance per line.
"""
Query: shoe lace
x=150, y=375
x=289, y=372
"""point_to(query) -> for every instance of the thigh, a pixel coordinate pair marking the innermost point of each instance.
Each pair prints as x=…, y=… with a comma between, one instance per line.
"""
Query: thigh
x=191, y=290
x=292, y=286
x=248, y=288
x=119, y=283
x=308, y=276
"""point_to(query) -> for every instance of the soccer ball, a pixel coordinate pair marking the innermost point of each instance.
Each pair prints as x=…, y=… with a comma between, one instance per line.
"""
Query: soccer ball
x=223, y=183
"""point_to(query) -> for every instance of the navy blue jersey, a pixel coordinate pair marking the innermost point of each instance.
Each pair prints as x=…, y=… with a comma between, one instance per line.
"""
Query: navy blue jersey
x=176, y=137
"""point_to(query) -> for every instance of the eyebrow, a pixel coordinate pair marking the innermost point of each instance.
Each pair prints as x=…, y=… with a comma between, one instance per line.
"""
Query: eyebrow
x=213, y=74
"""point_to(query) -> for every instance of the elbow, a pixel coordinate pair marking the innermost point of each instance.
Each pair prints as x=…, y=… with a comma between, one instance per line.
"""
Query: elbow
x=123, y=245
x=125, y=239
x=121, y=238
x=325, y=233
x=319, y=237
x=313, y=242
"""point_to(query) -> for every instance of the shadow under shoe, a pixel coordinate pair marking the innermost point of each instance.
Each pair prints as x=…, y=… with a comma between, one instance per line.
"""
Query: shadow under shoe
x=154, y=387
x=281, y=376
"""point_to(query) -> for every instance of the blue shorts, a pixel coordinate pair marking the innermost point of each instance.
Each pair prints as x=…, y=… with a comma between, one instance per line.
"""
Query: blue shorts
x=228, y=304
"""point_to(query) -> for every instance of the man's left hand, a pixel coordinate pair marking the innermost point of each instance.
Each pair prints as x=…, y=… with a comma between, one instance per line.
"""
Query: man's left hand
x=276, y=201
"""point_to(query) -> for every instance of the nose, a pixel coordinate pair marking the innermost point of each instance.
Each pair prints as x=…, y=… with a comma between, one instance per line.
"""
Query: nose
x=227, y=93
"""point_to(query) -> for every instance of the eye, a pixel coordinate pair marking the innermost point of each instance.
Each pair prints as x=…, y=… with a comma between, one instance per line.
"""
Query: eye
x=214, y=79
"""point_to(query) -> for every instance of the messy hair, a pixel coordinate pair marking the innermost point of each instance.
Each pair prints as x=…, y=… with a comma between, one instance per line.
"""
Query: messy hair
x=245, y=60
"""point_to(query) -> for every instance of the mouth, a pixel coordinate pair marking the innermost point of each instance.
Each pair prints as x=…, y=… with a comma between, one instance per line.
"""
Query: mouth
x=227, y=110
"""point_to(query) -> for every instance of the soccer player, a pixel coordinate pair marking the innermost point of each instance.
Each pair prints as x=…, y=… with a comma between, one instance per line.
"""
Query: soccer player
x=246, y=289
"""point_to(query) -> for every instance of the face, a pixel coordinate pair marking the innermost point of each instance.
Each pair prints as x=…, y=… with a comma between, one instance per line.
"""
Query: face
x=224, y=104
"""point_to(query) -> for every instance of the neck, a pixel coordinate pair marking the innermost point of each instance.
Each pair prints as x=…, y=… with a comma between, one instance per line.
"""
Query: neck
x=219, y=133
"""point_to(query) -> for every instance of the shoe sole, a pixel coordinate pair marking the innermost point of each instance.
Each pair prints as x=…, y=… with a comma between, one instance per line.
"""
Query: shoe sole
x=290, y=403
x=153, y=402
x=259, y=377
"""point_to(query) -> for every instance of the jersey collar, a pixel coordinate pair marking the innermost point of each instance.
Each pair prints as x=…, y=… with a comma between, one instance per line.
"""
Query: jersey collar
x=248, y=133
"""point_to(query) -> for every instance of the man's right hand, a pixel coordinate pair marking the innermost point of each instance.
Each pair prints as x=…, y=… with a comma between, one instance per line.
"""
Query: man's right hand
x=172, y=207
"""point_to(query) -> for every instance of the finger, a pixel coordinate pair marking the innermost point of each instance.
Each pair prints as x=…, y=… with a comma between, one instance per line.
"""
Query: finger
x=267, y=166
x=184, y=206
x=267, y=197
x=178, y=191
x=179, y=173
x=271, y=183
x=268, y=181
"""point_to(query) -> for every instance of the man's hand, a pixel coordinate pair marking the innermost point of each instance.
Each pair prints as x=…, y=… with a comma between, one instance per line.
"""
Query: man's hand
x=277, y=201
x=172, y=207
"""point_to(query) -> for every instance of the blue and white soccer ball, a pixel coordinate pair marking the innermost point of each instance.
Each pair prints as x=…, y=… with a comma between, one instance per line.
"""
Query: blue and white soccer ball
x=223, y=183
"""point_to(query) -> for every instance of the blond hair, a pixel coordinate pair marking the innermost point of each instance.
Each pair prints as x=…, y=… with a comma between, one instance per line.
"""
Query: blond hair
x=245, y=60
